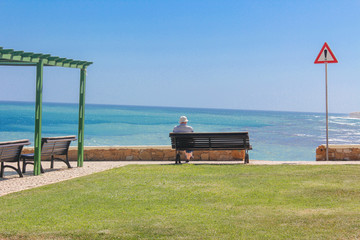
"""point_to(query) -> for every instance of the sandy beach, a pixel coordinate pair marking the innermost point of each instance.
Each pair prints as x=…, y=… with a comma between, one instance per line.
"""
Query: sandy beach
x=13, y=183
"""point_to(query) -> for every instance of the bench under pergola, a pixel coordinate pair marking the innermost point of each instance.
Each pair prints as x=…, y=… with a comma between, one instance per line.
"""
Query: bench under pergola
x=10, y=57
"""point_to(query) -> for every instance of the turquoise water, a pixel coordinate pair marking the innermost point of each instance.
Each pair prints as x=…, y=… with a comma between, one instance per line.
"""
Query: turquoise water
x=274, y=136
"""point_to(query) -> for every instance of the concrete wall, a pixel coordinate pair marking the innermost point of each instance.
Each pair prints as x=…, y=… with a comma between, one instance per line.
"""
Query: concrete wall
x=165, y=153
x=146, y=153
x=338, y=152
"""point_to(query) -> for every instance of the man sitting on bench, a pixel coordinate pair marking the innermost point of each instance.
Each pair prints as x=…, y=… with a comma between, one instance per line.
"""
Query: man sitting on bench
x=183, y=128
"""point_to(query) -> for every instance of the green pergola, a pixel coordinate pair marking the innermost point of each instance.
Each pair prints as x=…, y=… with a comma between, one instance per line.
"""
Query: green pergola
x=10, y=57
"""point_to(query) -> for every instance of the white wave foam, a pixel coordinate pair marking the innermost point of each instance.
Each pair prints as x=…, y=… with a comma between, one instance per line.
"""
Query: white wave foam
x=338, y=140
x=303, y=135
x=343, y=123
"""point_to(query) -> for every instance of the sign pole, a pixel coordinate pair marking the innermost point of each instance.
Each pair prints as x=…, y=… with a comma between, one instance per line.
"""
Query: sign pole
x=326, y=56
x=327, y=115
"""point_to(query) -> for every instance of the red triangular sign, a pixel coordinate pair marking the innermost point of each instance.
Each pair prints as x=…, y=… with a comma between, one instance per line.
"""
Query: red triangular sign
x=326, y=55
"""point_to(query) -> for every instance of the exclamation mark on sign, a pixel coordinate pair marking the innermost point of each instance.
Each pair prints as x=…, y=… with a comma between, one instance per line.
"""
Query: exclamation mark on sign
x=325, y=53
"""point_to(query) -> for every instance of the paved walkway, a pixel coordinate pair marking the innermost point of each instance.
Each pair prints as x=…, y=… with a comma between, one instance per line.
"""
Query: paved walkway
x=13, y=183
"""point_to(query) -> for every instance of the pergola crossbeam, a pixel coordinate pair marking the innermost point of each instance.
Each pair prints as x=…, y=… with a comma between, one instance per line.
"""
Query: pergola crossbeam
x=28, y=58
x=6, y=63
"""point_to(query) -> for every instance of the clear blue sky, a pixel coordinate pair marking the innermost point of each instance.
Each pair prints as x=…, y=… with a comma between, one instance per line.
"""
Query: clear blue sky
x=212, y=54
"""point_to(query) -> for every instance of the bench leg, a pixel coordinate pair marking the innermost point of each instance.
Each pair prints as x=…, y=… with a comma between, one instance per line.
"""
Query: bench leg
x=66, y=161
x=177, y=160
x=52, y=161
x=24, y=166
x=2, y=170
x=8, y=166
x=19, y=169
x=25, y=163
x=246, y=159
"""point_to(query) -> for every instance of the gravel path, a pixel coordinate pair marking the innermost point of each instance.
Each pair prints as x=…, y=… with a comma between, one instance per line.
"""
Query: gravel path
x=13, y=183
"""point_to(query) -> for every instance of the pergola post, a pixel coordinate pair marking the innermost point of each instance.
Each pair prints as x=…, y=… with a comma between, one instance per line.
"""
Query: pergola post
x=38, y=117
x=80, y=160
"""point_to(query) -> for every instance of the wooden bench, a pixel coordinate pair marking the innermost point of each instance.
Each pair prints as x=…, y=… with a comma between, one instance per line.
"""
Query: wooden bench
x=210, y=141
x=10, y=152
x=51, y=146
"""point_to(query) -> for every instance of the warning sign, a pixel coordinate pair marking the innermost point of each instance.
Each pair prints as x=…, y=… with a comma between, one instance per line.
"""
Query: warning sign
x=326, y=55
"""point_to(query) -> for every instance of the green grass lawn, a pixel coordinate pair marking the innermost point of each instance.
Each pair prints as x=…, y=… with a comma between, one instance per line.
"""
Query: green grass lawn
x=191, y=202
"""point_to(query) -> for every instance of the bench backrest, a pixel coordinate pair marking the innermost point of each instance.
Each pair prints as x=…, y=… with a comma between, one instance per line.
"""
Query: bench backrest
x=56, y=145
x=11, y=151
x=216, y=141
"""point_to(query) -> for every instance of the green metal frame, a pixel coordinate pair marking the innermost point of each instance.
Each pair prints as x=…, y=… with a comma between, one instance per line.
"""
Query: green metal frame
x=38, y=118
x=10, y=57
x=81, y=118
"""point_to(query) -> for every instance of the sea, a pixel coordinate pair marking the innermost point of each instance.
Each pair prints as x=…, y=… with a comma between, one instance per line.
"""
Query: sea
x=275, y=136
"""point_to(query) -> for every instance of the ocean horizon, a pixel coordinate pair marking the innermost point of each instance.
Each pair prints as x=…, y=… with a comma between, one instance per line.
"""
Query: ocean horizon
x=274, y=135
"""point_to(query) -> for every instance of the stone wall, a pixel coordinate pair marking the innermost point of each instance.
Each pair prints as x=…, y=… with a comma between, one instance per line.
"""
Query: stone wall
x=338, y=152
x=146, y=153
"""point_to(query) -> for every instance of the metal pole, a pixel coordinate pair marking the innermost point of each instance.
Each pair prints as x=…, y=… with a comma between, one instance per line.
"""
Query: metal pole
x=80, y=160
x=38, y=118
x=327, y=116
